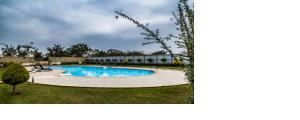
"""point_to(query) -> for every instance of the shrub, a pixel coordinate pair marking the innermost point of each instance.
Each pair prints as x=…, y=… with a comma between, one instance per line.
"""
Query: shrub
x=163, y=60
x=125, y=62
x=178, y=61
x=15, y=74
x=150, y=60
x=8, y=64
x=139, y=60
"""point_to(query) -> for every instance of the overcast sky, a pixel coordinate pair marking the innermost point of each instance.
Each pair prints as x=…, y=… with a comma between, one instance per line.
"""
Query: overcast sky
x=66, y=22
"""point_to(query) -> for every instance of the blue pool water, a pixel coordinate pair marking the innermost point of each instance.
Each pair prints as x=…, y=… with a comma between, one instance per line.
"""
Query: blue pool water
x=92, y=71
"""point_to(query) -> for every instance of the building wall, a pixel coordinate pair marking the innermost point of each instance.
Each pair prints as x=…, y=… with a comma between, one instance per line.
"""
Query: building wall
x=156, y=59
x=42, y=62
x=66, y=59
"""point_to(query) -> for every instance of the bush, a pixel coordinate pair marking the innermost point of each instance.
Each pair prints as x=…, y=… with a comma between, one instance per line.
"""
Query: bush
x=177, y=61
x=8, y=64
x=15, y=74
x=139, y=60
x=163, y=60
x=125, y=62
x=150, y=60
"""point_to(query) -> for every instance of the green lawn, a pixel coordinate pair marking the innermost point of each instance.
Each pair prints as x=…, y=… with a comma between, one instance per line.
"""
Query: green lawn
x=47, y=94
x=54, y=94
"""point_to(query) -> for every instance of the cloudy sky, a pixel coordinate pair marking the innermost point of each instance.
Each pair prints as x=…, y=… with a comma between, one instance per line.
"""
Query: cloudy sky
x=65, y=22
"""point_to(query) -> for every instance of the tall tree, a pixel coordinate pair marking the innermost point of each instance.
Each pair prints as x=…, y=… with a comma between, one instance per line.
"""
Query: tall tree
x=25, y=50
x=184, y=20
x=38, y=55
x=98, y=53
x=134, y=52
x=19, y=51
x=79, y=50
x=56, y=51
x=115, y=52
x=9, y=50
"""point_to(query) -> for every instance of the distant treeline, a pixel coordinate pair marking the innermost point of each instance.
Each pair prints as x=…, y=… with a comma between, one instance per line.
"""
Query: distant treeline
x=76, y=50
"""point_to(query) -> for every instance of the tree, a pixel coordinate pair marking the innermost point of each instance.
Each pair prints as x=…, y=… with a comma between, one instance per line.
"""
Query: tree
x=161, y=52
x=38, y=55
x=20, y=50
x=56, y=51
x=134, y=53
x=79, y=50
x=9, y=50
x=26, y=50
x=98, y=53
x=115, y=52
x=15, y=74
x=184, y=20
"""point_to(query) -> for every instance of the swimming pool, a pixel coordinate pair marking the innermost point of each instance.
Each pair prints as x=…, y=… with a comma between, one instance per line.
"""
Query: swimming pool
x=92, y=71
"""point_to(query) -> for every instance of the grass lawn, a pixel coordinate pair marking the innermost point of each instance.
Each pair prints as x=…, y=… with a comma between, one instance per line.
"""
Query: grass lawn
x=54, y=94
x=47, y=94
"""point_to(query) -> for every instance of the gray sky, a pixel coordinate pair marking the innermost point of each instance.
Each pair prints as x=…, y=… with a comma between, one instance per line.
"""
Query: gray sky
x=66, y=22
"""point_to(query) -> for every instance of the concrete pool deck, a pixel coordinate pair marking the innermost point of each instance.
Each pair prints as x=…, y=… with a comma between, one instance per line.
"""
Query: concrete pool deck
x=159, y=78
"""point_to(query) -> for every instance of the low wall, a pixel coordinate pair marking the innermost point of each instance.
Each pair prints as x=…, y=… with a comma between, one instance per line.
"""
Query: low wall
x=59, y=60
x=42, y=62
x=17, y=59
